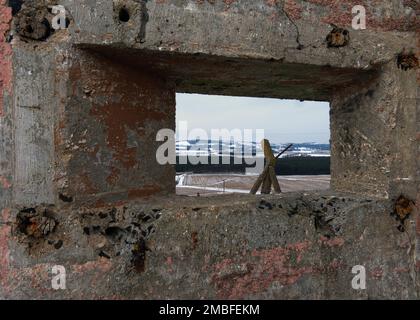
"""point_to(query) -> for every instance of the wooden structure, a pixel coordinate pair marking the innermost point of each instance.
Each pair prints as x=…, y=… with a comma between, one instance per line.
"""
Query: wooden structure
x=268, y=177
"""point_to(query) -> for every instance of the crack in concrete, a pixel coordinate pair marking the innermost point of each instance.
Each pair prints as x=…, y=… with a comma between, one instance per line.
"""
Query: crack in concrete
x=300, y=45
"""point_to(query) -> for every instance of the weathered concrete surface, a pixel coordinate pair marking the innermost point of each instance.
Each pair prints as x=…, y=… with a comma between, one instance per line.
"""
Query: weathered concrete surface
x=112, y=140
x=80, y=108
x=291, y=247
x=6, y=136
x=267, y=49
x=279, y=46
x=264, y=29
x=86, y=128
x=372, y=134
x=208, y=74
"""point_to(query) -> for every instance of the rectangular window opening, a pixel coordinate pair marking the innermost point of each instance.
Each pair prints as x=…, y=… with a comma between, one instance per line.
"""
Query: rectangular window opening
x=218, y=143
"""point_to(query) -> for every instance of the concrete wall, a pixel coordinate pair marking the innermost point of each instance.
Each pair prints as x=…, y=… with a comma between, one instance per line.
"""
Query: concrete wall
x=291, y=247
x=79, y=111
x=373, y=129
x=106, y=135
x=86, y=128
x=6, y=134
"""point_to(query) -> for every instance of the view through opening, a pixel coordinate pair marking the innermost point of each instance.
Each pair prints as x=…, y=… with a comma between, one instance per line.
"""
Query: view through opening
x=218, y=143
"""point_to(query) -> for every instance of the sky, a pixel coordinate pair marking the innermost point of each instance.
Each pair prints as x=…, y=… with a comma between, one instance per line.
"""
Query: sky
x=282, y=120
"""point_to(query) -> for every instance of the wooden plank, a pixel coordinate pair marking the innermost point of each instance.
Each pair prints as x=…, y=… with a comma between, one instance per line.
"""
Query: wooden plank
x=266, y=187
x=271, y=160
x=274, y=181
x=268, y=152
x=259, y=181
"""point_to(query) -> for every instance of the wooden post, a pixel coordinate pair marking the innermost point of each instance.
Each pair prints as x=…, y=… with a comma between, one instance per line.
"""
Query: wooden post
x=259, y=181
x=271, y=160
x=268, y=177
x=276, y=185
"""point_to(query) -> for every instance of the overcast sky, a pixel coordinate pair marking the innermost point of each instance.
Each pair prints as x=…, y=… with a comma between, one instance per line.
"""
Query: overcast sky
x=283, y=120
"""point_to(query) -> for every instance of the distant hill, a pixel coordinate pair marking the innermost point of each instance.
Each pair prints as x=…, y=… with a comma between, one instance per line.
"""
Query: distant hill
x=192, y=147
x=302, y=159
